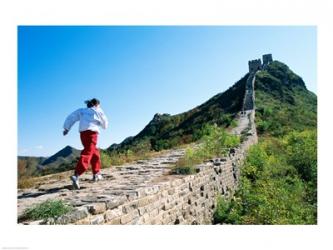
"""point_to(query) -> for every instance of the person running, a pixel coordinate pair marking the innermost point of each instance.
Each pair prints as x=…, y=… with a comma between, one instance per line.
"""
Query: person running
x=91, y=118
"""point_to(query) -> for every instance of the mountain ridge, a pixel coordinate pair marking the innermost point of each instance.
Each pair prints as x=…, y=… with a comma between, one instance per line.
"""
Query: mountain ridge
x=165, y=130
x=60, y=161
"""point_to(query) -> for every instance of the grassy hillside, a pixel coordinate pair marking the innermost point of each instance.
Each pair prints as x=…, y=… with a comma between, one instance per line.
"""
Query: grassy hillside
x=166, y=131
x=61, y=161
x=27, y=166
x=278, y=183
x=283, y=103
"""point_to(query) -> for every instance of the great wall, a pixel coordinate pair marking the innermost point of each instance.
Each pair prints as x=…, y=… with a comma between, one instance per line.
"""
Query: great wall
x=145, y=193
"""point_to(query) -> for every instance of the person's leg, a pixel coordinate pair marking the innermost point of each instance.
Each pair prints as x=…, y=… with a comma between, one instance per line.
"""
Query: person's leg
x=95, y=159
x=86, y=153
x=96, y=162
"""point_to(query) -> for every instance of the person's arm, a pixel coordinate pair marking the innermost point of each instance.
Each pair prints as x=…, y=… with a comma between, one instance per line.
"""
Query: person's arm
x=103, y=119
x=70, y=120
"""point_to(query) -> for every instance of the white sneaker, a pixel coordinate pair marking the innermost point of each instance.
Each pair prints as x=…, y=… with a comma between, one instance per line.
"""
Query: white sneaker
x=75, y=181
x=97, y=177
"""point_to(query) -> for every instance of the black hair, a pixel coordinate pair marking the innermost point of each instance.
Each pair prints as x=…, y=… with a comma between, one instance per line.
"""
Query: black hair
x=92, y=102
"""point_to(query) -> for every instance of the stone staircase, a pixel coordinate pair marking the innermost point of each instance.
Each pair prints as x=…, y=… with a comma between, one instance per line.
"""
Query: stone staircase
x=248, y=103
x=119, y=183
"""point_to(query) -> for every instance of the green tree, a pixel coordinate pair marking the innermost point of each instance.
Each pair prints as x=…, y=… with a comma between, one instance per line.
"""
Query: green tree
x=301, y=150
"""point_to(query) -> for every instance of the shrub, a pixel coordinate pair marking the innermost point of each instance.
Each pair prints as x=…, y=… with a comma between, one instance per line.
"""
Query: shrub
x=302, y=153
x=262, y=126
x=115, y=158
x=105, y=159
x=185, y=165
x=215, y=142
x=26, y=182
x=47, y=209
x=226, y=212
x=271, y=189
x=233, y=123
x=257, y=157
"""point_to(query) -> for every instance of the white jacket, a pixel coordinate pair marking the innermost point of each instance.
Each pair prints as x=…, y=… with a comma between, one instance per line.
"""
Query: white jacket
x=90, y=119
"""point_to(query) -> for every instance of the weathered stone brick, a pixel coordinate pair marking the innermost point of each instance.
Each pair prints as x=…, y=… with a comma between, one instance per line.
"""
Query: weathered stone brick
x=140, y=221
x=176, y=183
x=142, y=210
x=156, y=220
x=112, y=214
x=184, y=192
x=73, y=216
x=115, y=221
x=129, y=207
x=171, y=191
x=149, y=207
x=132, y=196
x=144, y=201
x=129, y=217
x=116, y=202
x=145, y=218
x=153, y=213
x=167, y=206
x=164, y=193
x=96, y=220
x=96, y=208
x=85, y=221
x=153, y=198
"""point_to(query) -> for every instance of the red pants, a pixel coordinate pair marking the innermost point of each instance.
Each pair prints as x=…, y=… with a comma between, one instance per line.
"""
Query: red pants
x=89, y=154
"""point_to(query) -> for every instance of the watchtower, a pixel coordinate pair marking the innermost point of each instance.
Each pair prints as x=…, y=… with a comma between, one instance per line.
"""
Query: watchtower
x=266, y=59
x=254, y=65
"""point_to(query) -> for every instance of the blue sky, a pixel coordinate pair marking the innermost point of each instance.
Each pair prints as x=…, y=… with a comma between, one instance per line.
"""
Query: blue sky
x=137, y=71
